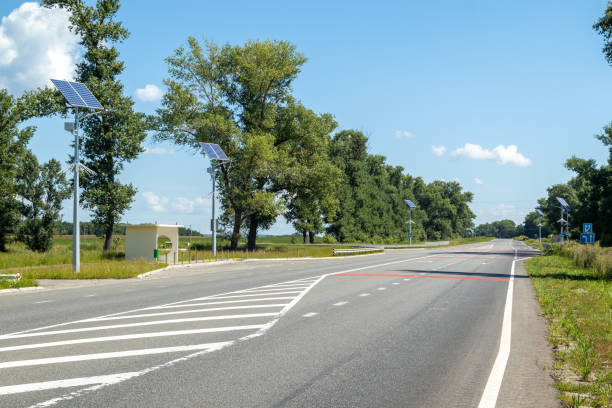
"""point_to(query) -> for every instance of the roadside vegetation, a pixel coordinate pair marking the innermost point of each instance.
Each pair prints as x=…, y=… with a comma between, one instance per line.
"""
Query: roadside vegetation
x=573, y=283
x=452, y=242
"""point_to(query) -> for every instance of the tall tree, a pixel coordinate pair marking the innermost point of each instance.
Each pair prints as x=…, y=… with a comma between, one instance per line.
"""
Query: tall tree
x=115, y=138
x=604, y=27
x=41, y=190
x=13, y=151
x=231, y=95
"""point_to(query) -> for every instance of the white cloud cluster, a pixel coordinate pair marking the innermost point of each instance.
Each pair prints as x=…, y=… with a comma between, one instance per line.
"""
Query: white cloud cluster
x=502, y=154
x=438, y=150
x=158, y=151
x=181, y=205
x=149, y=93
x=404, y=134
x=36, y=45
x=478, y=181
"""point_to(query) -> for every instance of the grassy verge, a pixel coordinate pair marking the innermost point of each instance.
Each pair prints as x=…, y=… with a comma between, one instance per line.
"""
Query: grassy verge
x=15, y=284
x=577, y=301
x=97, y=270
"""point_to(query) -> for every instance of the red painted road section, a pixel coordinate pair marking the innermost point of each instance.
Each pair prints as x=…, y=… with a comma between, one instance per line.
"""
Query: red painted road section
x=389, y=275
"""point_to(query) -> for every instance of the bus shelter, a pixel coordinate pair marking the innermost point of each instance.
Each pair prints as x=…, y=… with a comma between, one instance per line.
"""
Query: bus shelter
x=141, y=241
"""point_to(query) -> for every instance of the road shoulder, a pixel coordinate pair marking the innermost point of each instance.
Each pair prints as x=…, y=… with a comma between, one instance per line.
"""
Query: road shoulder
x=527, y=381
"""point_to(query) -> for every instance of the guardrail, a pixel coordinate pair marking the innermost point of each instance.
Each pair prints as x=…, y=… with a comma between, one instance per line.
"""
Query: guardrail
x=16, y=276
x=355, y=250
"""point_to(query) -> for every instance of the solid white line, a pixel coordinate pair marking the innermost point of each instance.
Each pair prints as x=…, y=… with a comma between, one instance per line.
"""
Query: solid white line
x=340, y=303
x=214, y=309
x=114, y=354
x=132, y=337
x=156, y=322
x=491, y=391
x=213, y=303
x=310, y=314
x=71, y=382
x=257, y=294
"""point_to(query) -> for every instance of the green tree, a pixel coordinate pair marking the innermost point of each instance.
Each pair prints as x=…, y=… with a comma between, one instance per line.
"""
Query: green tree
x=231, y=95
x=604, y=27
x=41, y=189
x=13, y=151
x=113, y=139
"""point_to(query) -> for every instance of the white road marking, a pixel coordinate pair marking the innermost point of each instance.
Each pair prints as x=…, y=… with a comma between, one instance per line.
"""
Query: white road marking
x=298, y=288
x=71, y=382
x=90, y=295
x=253, y=295
x=206, y=304
x=132, y=337
x=43, y=301
x=491, y=391
x=395, y=283
x=382, y=288
x=406, y=279
x=113, y=354
x=365, y=294
x=340, y=303
x=155, y=322
x=310, y=314
x=214, y=309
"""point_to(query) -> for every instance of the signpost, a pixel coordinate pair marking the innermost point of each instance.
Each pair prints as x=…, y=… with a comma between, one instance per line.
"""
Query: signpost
x=587, y=236
x=411, y=205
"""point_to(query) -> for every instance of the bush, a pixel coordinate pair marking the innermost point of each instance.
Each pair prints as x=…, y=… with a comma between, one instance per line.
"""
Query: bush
x=328, y=239
x=592, y=257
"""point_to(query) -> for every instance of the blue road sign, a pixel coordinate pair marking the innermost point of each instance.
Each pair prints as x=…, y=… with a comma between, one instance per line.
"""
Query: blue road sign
x=410, y=235
x=587, y=227
x=587, y=238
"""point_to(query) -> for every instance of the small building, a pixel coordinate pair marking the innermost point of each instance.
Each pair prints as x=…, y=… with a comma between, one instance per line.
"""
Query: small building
x=141, y=241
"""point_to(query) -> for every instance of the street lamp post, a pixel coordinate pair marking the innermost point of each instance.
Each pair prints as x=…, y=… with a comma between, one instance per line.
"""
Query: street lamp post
x=411, y=205
x=214, y=153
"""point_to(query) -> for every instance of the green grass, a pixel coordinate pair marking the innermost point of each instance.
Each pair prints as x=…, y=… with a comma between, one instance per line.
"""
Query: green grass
x=95, y=270
x=577, y=301
x=15, y=284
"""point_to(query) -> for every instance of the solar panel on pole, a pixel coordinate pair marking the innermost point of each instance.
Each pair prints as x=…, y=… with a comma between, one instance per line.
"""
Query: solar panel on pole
x=208, y=150
x=77, y=94
x=220, y=153
x=563, y=202
x=539, y=211
x=410, y=204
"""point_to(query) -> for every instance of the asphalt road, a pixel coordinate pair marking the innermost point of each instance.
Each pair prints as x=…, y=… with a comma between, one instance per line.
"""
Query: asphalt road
x=408, y=328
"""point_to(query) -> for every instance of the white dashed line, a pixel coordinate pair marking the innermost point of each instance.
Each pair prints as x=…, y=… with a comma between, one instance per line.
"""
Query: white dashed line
x=382, y=288
x=395, y=283
x=43, y=301
x=310, y=314
x=365, y=294
x=340, y=303
x=406, y=279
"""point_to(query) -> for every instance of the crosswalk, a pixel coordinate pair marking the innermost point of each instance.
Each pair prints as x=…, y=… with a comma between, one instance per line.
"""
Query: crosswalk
x=106, y=350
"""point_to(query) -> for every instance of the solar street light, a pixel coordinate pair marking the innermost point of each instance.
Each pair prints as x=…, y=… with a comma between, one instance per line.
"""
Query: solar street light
x=215, y=154
x=540, y=213
x=411, y=205
x=78, y=96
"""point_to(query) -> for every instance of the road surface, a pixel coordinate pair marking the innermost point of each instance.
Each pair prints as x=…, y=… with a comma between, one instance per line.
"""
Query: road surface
x=448, y=327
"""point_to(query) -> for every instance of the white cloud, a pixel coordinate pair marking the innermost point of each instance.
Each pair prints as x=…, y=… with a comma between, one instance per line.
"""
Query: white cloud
x=503, y=155
x=478, y=181
x=157, y=203
x=36, y=45
x=149, y=93
x=438, y=150
x=404, y=134
x=457, y=180
x=158, y=150
x=510, y=155
x=180, y=205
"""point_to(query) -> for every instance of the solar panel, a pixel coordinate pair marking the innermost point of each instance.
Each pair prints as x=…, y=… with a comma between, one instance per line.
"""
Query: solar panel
x=214, y=152
x=77, y=94
x=410, y=204
x=539, y=211
x=220, y=153
x=564, y=203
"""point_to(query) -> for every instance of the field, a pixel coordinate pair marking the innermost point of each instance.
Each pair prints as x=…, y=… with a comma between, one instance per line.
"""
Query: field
x=574, y=286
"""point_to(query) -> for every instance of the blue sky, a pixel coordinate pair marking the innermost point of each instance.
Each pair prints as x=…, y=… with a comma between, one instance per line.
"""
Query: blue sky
x=466, y=80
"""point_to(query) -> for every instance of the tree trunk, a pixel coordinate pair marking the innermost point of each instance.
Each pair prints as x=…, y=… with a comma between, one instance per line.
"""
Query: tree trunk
x=236, y=231
x=304, y=235
x=108, y=239
x=311, y=236
x=253, y=224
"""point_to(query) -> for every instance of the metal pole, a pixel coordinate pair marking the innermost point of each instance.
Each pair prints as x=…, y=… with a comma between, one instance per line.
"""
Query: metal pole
x=561, y=234
x=76, y=231
x=214, y=227
x=410, y=211
x=540, y=230
x=567, y=224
